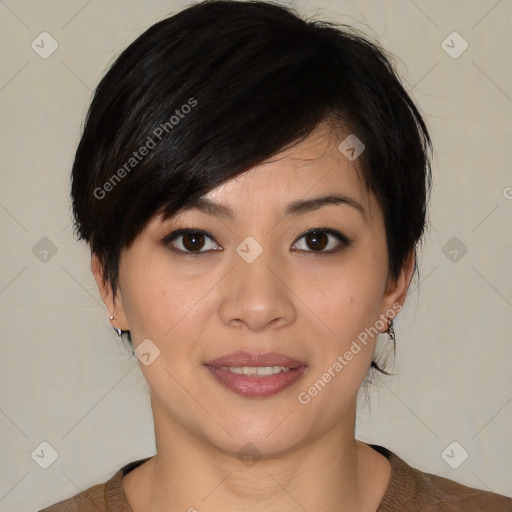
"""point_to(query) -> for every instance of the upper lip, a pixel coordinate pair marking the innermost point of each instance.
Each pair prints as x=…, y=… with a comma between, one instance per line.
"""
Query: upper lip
x=238, y=359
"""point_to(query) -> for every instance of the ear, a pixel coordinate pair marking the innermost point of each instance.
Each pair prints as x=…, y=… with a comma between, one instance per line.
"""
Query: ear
x=113, y=303
x=396, y=292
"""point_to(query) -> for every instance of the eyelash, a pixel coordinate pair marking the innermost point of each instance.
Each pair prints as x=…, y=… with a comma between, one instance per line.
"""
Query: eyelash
x=342, y=239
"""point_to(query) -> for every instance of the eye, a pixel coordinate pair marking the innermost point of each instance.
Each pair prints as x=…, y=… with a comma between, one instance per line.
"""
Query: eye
x=190, y=241
x=196, y=241
x=322, y=240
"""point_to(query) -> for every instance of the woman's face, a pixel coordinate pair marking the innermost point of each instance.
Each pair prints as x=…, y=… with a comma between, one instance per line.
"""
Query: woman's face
x=259, y=291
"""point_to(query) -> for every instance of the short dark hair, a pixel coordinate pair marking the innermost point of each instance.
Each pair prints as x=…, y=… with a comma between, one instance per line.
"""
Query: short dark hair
x=222, y=86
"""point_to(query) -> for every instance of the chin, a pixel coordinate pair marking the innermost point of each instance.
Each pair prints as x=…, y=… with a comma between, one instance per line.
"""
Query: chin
x=260, y=434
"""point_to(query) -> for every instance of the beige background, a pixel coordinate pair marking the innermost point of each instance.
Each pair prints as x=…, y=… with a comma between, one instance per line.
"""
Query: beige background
x=66, y=379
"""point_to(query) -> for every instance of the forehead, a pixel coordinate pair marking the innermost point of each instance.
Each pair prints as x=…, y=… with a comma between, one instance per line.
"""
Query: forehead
x=313, y=166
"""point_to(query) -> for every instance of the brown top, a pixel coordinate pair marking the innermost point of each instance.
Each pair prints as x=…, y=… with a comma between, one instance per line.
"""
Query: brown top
x=409, y=490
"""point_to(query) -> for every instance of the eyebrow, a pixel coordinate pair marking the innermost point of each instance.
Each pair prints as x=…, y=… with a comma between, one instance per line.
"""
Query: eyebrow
x=298, y=207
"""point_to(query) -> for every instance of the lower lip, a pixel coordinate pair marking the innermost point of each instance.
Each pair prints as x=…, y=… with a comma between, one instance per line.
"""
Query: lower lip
x=257, y=387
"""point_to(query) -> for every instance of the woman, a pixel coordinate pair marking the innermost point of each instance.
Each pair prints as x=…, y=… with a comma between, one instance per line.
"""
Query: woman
x=253, y=188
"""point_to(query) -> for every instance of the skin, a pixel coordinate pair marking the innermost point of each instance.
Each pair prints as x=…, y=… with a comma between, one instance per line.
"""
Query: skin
x=292, y=299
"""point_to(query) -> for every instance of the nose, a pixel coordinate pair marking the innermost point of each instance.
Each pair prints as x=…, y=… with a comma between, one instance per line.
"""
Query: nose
x=257, y=295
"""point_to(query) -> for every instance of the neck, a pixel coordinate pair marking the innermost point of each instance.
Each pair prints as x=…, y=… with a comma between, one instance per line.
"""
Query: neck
x=334, y=472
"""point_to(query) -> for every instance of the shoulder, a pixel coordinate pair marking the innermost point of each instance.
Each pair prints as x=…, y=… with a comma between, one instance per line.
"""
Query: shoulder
x=103, y=497
x=410, y=489
x=90, y=499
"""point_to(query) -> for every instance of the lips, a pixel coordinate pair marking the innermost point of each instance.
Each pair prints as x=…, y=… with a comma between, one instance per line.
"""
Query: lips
x=248, y=359
x=256, y=375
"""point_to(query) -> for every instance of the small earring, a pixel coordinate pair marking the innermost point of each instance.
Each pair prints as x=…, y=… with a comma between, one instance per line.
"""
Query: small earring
x=391, y=331
x=116, y=329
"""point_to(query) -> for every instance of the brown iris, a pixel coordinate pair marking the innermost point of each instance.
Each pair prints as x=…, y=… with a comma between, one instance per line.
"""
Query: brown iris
x=193, y=241
x=317, y=240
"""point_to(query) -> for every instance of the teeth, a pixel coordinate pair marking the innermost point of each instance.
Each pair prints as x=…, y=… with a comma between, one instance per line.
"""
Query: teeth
x=258, y=371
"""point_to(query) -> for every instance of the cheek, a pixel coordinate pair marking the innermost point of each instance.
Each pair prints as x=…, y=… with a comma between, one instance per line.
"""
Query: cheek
x=347, y=303
x=347, y=310
x=347, y=298
x=157, y=300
